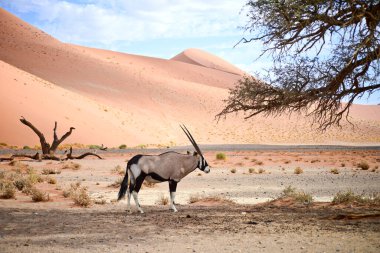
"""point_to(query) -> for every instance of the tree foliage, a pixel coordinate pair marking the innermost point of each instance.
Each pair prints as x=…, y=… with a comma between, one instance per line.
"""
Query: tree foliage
x=325, y=55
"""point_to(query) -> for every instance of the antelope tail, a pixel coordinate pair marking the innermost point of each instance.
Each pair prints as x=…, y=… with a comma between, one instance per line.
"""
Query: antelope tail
x=124, y=185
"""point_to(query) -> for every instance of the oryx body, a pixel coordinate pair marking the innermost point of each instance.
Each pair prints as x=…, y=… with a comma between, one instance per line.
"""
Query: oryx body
x=169, y=166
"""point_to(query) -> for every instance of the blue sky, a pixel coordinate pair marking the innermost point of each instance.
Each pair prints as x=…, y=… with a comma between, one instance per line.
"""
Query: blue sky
x=157, y=28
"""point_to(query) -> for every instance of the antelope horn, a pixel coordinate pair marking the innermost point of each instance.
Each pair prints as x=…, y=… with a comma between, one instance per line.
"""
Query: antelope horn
x=191, y=139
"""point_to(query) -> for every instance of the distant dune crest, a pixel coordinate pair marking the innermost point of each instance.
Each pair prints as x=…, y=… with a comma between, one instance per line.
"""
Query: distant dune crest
x=205, y=59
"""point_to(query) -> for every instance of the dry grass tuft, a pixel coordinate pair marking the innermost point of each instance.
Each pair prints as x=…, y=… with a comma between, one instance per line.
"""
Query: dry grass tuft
x=149, y=184
x=162, y=200
x=79, y=194
x=298, y=196
x=51, y=180
x=298, y=170
x=220, y=199
x=117, y=182
x=118, y=170
x=71, y=166
x=351, y=198
x=38, y=195
x=7, y=189
x=334, y=171
x=252, y=170
x=261, y=171
x=233, y=170
x=50, y=171
x=363, y=165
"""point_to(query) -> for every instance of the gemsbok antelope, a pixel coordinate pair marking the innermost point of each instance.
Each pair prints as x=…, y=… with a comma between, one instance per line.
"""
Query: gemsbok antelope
x=170, y=166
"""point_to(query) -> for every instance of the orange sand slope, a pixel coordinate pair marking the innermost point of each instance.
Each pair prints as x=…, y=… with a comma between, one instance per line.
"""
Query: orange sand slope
x=115, y=98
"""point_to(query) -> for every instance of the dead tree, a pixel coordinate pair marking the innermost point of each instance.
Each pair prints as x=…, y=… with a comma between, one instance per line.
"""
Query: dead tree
x=48, y=151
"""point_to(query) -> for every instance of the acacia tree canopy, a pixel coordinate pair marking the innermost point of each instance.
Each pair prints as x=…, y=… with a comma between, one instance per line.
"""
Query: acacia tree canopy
x=326, y=53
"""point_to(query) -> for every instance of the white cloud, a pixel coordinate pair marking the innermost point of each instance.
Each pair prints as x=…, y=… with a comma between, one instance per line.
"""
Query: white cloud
x=116, y=20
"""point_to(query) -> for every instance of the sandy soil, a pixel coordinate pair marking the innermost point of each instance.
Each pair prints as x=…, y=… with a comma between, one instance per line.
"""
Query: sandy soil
x=252, y=224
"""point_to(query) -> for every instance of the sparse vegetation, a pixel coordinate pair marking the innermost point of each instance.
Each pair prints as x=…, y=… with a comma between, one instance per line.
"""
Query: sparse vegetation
x=259, y=163
x=162, y=200
x=50, y=171
x=71, y=166
x=7, y=189
x=334, y=171
x=252, y=170
x=117, y=182
x=79, y=194
x=298, y=170
x=363, y=165
x=149, y=184
x=314, y=161
x=261, y=171
x=51, y=180
x=349, y=197
x=343, y=165
x=118, y=170
x=198, y=198
x=38, y=195
x=233, y=170
x=122, y=146
x=298, y=196
x=221, y=156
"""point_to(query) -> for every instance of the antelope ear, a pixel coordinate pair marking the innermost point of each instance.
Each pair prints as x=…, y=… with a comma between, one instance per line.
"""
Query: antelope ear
x=195, y=154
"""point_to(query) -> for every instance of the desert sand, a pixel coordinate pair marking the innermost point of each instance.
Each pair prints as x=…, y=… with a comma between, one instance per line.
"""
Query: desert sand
x=140, y=100
x=252, y=222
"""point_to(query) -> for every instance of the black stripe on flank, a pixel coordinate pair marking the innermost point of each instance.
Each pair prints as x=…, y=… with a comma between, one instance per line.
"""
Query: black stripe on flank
x=157, y=177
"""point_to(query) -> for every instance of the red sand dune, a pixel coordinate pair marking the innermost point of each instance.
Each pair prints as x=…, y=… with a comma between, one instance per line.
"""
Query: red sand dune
x=115, y=98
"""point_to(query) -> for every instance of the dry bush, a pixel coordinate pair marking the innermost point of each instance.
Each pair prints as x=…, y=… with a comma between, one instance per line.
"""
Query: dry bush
x=343, y=165
x=51, y=180
x=350, y=197
x=363, y=165
x=162, y=200
x=259, y=163
x=50, y=171
x=287, y=161
x=252, y=170
x=118, y=170
x=233, y=170
x=334, y=171
x=298, y=196
x=298, y=170
x=79, y=194
x=117, y=182
x=38, y=195
x=149, y=184
x=198, y=198
x=7, y=189
x=261, y=171
x=100, y=201
x=315, y=161
x=221, y=156
x=72, y=166
x=81, y=197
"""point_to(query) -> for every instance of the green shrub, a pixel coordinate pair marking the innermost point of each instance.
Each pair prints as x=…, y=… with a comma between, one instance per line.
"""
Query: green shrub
x=221, y=156
x=122, y=146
